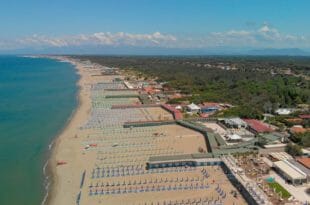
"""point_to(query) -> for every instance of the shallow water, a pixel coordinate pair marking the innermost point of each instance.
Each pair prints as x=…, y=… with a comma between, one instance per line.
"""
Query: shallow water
x=37, y=97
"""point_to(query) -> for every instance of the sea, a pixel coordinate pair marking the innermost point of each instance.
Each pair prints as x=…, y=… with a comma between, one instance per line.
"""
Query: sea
x=37, y=98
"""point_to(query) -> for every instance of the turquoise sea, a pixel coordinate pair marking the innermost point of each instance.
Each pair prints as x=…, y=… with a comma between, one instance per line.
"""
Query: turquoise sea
x=37, y=97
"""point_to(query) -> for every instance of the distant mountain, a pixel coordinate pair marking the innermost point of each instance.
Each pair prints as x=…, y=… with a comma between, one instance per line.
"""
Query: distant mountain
x=132, y=50
x=281, y=52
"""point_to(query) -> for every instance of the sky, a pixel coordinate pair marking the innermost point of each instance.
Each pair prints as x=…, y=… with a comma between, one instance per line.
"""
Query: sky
x=123, y=25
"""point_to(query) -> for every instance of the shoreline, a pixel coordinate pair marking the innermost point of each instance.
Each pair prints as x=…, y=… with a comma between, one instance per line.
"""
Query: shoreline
x=48, y=169
x=51, y=176
x=77, y=152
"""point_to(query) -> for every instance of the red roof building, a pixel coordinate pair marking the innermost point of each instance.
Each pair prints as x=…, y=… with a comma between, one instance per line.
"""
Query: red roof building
x=304, y=116
x=305, y=161
x=298, y=129
x=211, y=104
x=294, y=120
x=258, y=126
x=150, y=90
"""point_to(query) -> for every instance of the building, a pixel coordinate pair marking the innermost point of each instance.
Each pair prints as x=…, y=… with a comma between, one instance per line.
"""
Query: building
x=283, y=111
x=235, y=123
x=295, y=120
x=274, y=139
x=234, y=138
x=278, y=156
x=290, y=172
x=305, y=117
x=302, y=166
x=207, y=109
x=210, y=107
x=257, y=126
x=193, y=108
x=306, y=152
x=298, y=129
x=305, y=161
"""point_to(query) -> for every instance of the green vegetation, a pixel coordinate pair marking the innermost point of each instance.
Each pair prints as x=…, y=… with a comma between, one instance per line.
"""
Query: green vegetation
x=261, y=141
x=284, y=120
x=302, y=138
x=256, y=84
x=244, y=111
x=293, y=149
x=279, y=189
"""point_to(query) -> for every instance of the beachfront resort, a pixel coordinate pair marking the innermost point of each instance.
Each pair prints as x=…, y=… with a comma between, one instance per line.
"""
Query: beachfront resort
x=125, y=145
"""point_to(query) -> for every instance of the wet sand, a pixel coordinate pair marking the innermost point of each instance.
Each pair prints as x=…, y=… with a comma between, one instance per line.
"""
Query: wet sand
x=65, y=180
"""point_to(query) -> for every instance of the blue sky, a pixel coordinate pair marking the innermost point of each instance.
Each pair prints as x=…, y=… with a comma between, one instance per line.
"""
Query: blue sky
x=195, y=24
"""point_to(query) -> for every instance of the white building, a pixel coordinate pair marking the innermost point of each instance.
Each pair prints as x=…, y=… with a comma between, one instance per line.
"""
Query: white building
x=290, y=172
x=283, y=111
x=193, y=108
x=235, y=123
x=234, y=137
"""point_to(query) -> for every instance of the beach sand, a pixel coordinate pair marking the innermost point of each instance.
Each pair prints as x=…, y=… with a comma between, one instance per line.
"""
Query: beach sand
x=66, y=178
x=96, y=141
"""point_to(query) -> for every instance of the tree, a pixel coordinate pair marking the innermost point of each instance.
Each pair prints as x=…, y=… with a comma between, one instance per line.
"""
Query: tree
x=293, y=149
x=268, y=107
x=261, y=141
x=305, y=139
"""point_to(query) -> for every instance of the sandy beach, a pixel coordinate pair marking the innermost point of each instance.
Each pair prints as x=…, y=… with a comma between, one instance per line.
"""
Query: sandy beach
x=66, y=147
x=96, y=160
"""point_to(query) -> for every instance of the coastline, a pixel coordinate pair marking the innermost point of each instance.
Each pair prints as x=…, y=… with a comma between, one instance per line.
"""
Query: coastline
x=76, y=153
x=48, y=169
x=52, y=185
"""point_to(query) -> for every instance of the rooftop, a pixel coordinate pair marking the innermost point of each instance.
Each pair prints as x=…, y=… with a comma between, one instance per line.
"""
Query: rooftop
x=234, y=137
x=290, y=169
x=305, y=116
x=235, y=121
x=258, y=126
x=304, y=161
x=283, y=111
x=280, y=155
x=270, y=137
x=297, y=129
x=210, y=104
x=193, y=106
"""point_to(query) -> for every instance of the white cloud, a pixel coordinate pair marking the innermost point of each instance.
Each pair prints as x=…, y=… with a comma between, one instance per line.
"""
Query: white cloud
x=264, y=29
x=264, y=36
x=261, y=37
x=100, y=38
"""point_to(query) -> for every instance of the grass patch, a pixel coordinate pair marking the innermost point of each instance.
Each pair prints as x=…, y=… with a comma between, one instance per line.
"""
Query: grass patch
x=279, y=188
